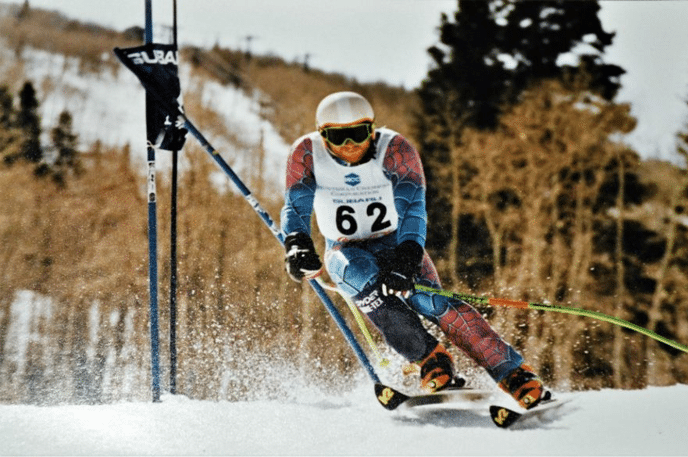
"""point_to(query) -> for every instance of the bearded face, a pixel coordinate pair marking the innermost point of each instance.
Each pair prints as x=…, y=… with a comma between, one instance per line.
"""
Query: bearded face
x=348, y=142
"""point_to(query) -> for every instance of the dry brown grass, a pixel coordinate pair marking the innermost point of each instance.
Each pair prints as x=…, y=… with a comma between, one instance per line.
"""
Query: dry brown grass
x=85, y=246
x=292, y=93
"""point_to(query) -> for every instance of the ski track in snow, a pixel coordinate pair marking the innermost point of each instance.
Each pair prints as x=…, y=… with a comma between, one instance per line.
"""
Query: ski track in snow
x=607, y=422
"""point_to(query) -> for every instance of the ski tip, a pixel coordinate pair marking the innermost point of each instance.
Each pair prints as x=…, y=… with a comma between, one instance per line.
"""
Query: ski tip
x=388, y=397
x=503, y=417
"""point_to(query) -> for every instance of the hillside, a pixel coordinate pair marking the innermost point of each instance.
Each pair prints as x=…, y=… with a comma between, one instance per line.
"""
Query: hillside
x=73, y=295
x=83, y=289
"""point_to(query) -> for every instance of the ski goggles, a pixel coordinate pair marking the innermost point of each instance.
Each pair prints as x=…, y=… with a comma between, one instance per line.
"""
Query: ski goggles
x=357, y=134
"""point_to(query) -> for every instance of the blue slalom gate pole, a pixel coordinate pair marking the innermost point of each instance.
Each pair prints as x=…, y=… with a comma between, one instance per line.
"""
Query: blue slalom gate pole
x=173, y=244
x=152, y=235
x=324, y=298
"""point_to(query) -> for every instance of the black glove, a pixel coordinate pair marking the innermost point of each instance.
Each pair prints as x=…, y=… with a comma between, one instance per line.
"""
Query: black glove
x=301, y=258
x=399, y=267
x=173, y=135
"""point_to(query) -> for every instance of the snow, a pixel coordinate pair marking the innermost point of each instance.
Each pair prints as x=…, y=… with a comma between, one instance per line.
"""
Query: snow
x=607, y=422
x=108, y=105
x=27, y=311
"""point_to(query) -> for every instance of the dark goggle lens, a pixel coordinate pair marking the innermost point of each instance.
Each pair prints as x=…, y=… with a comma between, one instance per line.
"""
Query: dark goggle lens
x=339, y=135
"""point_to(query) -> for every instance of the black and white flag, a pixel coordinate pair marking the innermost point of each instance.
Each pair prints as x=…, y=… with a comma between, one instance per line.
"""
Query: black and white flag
x=156, y=66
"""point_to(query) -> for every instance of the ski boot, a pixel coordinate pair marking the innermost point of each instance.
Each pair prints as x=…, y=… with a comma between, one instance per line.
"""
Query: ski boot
x=525, y=386
x=436, y=370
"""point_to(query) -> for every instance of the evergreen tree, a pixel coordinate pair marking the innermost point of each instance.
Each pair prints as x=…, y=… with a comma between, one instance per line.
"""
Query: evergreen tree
x=6, y=108
x=10, y=136
x=488, y=56
x=25, y=11
x=64, y=140
x=539, y=36
x=29, y=122
x=494, y=50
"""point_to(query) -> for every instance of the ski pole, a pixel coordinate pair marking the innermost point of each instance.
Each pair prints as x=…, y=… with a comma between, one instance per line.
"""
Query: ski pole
x=557, y=308
x=341, y=323
x=383, y=362
x=152, y=231
x=388, y=397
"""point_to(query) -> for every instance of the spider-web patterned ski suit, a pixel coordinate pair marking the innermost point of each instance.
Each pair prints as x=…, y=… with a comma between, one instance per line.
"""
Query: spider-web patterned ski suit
x=365, y=210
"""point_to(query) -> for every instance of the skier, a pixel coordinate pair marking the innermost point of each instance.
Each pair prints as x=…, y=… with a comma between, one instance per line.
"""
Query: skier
x=366, y=186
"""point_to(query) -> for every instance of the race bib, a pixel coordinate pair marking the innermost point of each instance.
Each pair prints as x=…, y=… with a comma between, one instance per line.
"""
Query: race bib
x=353, y=203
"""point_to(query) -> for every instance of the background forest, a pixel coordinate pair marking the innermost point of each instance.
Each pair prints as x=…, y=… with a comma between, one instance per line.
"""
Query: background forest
x=531, y=196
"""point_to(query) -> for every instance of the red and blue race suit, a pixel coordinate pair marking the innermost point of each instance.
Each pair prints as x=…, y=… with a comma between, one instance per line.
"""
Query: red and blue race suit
x=364, y=211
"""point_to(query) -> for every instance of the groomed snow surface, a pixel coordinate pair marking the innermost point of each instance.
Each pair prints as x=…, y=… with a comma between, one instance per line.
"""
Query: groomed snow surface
x=608, y=422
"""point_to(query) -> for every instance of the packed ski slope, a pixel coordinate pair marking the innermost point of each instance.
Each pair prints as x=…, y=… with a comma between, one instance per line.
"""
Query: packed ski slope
x=607, y=422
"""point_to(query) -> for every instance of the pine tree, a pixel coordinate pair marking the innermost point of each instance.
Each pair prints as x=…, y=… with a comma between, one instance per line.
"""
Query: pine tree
x=488, y=56
x=25, y=11
x=539, y=37
x=29, y=122
x=64, y=140
x=495, y=50
x=6, y=108
x=10, y=136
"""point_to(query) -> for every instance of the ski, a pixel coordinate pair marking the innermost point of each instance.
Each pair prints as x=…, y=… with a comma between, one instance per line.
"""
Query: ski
x=389, y=397
x=504, y=417
x=467, y=399
x=452, y=398
x=455, y=397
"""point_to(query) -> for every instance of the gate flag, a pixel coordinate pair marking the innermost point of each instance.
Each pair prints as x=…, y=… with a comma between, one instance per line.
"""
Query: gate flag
x=156, y=66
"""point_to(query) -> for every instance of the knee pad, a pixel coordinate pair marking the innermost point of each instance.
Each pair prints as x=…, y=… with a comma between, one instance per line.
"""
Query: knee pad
x=430, y=305
x=351, y=269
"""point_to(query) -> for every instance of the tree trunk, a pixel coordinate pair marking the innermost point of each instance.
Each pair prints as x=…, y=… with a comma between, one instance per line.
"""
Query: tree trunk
x=455, y=214
x=655, y=313
x=618, y=356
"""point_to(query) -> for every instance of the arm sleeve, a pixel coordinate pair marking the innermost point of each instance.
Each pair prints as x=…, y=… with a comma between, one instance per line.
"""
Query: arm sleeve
x=300, y=189
x=403, y=166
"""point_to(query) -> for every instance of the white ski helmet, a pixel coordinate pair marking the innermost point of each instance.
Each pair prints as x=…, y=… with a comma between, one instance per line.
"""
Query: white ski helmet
x=343, y=108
